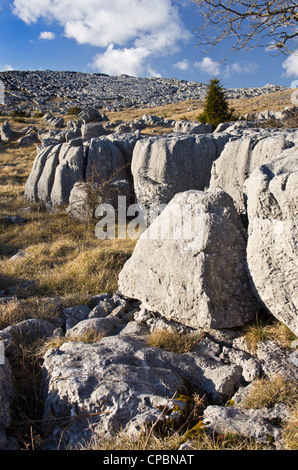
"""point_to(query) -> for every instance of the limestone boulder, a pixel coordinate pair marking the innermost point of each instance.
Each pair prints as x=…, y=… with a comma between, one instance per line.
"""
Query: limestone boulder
x=105, y=161
x=192, y=127
x=6, y=133
x=90, y=115
x=121, y=382
x=58, y=168
x=272, y=249
x=92, y=130
x=240, y=156
x=70, y=169
x=190, y=263
x=85, y=197
x=165, y=165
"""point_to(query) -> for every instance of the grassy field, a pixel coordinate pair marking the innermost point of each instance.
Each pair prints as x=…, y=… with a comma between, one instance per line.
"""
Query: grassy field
x=63, y=258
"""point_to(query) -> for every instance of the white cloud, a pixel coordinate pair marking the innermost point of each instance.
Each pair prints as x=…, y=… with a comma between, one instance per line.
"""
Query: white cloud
x=240, y=68
x=291, y=66
x=209, y=66
x=182, y=65
x=47, y=35
x=132, y=30
x=6, y=68
x=127, y=60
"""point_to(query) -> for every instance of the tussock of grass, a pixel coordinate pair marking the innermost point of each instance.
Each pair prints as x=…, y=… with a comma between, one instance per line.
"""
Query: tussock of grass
x=172, y=341
x=17, y=310
x=268, y=392
x=260, y=332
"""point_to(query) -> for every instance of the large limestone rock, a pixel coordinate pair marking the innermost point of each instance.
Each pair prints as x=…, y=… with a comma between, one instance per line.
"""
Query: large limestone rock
x=163, y=166
x=122, y=383
x=192, y=127
x=198, y=276
x=241, y=156
x=85, y=197
x=58, y=168
x=272, y=251
x=43, y=169
x=105, y=161
x=69, y=170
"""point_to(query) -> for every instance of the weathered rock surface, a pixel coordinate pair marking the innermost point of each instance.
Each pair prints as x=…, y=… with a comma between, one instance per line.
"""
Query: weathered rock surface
x=272, y=252
x=190, y=127
x=198, y=277
x=69, y=170
x=240, y=156
x=57, y=169
x=6, y=133
x=85, y=197
x=164, y=166
x=257, y=424
x=122, y=383
x=89, y=90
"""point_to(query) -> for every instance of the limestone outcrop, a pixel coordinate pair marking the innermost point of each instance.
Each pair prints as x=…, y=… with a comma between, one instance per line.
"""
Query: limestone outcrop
x=272, y=250
x=190, y=264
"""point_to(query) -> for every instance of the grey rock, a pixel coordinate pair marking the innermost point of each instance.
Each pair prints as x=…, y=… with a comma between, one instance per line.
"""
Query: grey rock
x=92, y=131
x=53, y=121
x=28, y=139
x=18, y=256
x=69, y=170
x=6, y=133
x=198, y=278
x=7, y=394
x=102, y=309
x=85, y=197
x=276, y=360
x=191, y=127
x=163, y=166
x=241, y=156
x=123, y=383
x=95, y=326
x=75, y=314
x=90, y=115
x=271, y=193
x=100, y=90
x=105, y=161
x=126, y=144
x=259, y=424
x=43, y=168
x=15, y=219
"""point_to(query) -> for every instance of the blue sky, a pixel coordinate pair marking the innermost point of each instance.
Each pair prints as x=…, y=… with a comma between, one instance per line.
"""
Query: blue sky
x=136, y=37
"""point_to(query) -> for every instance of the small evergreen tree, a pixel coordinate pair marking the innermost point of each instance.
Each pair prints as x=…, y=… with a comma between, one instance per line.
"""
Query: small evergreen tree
x=217, y=107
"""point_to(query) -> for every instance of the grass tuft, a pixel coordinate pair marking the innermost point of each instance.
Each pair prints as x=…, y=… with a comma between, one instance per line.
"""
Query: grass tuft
x=173, y=341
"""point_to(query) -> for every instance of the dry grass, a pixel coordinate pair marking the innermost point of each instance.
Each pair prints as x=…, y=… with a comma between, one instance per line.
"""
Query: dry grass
x=191, y=108
x=260, y=332
x=172, y=341
x=268, y=392
x=17, y=310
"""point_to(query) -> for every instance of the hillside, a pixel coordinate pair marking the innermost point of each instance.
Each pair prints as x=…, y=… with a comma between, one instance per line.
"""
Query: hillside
x=84, y=352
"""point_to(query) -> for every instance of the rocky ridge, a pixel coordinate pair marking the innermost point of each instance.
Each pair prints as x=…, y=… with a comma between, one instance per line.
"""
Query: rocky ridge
x=58, y=91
